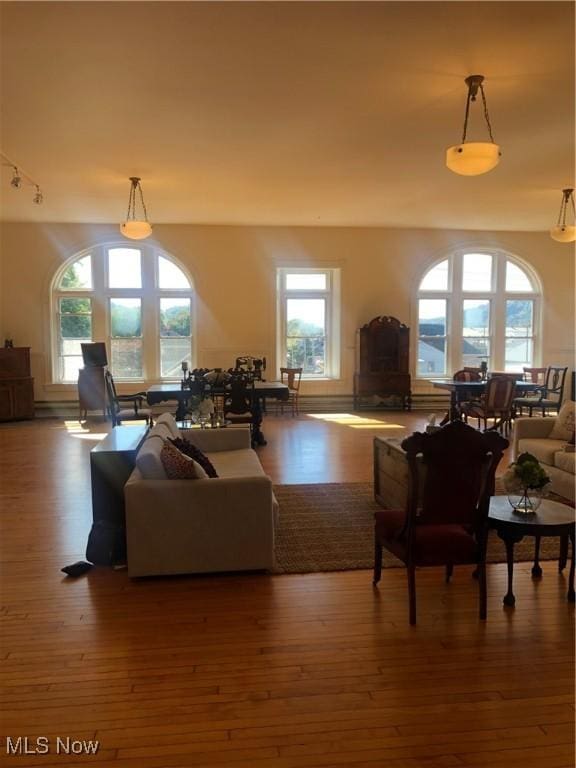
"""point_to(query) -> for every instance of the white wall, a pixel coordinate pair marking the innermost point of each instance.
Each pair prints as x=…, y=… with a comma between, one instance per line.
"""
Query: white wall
x=234, y=272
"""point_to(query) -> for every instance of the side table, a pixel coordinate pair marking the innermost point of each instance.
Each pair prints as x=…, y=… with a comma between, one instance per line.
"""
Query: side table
x=111, y=463
x=551, y=519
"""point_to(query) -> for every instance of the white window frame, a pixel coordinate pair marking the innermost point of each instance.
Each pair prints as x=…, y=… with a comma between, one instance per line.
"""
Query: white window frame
x=497, y=296
x=331, y=296
x=150, y=294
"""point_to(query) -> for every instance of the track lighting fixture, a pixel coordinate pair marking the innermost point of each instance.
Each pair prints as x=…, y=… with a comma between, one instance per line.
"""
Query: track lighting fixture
x=16, y=180
x=19, y=178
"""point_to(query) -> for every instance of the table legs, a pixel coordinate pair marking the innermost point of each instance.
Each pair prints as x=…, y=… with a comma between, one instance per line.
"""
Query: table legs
x=536, y=569
x=509, y=541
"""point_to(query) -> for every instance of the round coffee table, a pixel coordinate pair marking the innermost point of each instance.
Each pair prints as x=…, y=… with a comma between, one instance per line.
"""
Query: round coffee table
x=551, y=519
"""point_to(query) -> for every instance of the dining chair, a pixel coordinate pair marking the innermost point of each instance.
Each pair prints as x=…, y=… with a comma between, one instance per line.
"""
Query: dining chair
x=495, y=403
x=551, y=394
x=445, y=522
x=116, y=403
x=530, y=399
x=239, y=400
x=292, y=378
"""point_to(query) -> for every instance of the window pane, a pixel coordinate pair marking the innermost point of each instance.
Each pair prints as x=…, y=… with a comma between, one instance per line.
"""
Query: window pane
x=436, y=279
x=517, y=279
x=519, y=318
x=475, y=351
x=305, y=335
x=125, y=318
x=127, y=358
x=171, y=276
x=172, y=353
x=518, y=354
x=432, y=317
x=174, y=317
x=124, y=269
x=75, y=319
x=476, y=317
x=78, y=275
x=306, y=282
x=477, y=272
x=70, y=366
x=431, y=357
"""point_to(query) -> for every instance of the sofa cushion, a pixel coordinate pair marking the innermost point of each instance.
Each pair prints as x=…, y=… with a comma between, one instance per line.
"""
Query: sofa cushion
x=563, y=428
x=565, y=461
x=543, y=449
x=148, y=458
x=240, y=463
x=178, y=466
x=169, y=421
x=193, y=452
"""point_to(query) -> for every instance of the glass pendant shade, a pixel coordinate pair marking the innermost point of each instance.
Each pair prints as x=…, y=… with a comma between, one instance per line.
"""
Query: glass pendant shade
x=136, y=230
x=473, y=157
x=565, y=234
x=562, y=232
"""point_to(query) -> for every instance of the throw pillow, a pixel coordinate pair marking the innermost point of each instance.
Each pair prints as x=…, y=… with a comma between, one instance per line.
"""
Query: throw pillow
x=178, y=466
x=190, y=450
x=564, y=425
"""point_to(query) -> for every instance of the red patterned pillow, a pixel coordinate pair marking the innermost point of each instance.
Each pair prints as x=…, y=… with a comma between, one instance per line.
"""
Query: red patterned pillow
x=180, y=467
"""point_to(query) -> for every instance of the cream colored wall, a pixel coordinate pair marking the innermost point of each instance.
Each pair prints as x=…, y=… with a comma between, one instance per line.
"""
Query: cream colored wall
x=234, y=272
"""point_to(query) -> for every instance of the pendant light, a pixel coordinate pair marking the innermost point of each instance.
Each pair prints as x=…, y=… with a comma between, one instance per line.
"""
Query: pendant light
x=471, y=158
x=136, y=228
x=562, y=232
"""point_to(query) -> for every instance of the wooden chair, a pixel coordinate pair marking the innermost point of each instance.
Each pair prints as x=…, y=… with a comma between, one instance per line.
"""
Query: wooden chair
x=239, y=401
x=495, y=403
x=451, y=477
x=535, y=376
x=116, y=403
x=292, y=378
x=551, y=394
x=466, y=374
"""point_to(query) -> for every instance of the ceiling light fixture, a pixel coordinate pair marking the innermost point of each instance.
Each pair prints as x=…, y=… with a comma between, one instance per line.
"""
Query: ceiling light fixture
x=471, y=158
x=19, y=178
x=562, y=232
x=134, y=228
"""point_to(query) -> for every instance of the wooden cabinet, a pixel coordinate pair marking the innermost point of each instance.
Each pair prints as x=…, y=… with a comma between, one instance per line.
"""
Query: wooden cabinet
x=16, y=384
x=382, y=362
x=91, y=390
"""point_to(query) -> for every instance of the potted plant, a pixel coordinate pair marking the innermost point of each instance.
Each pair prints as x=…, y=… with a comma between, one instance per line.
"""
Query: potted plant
x=525, y=482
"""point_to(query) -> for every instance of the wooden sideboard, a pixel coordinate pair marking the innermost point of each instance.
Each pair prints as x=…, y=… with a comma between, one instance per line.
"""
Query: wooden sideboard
x=16, y=384
x=382, y=362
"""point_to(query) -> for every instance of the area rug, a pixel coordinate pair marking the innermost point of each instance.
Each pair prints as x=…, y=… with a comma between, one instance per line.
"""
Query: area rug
x=330, y=527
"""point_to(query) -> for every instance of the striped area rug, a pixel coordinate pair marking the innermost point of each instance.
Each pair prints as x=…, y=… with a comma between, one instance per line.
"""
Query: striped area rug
x=330, y=527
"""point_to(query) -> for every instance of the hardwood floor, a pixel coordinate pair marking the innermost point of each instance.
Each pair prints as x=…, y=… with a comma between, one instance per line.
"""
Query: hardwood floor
x=257, y=671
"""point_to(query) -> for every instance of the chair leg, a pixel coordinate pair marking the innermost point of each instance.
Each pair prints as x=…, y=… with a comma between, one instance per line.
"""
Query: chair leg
x=563, y=559
x=377, y=563
x=482, y=586
x=412, y=593
x=449, y=572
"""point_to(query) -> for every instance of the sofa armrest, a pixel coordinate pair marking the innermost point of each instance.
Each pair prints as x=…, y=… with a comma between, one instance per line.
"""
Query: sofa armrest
x=531, y=428
x=214, y=440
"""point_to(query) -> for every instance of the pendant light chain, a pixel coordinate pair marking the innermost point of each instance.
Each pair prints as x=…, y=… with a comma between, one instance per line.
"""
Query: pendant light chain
x=142, y=202
x=486, y=116
x=466, y=114
x=567, y=195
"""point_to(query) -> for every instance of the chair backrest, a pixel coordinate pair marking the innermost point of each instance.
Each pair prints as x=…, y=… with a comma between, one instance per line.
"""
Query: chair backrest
x=291, y=377
x=111, y=396
x=454, y=480
x=499, y=394
x=468, y=374
x=239, y=396
x=554, y=384
x=535, y=375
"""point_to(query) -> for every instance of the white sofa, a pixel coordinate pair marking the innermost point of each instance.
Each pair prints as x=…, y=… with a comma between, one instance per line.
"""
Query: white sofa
x=199, y=526
x=532, y=435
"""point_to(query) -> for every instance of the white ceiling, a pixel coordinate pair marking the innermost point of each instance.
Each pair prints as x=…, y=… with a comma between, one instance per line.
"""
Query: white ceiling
x=312, y=113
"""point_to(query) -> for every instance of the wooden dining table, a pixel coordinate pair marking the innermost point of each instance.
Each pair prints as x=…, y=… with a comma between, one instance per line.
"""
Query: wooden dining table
x=274, y=390
x=460, y=390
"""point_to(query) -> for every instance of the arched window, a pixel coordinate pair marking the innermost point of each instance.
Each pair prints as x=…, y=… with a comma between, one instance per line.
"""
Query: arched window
x=477, y=306
x=136, y=299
